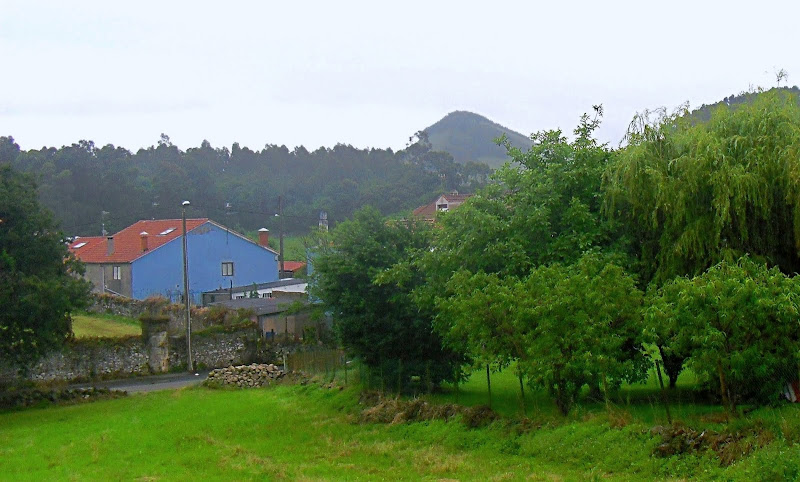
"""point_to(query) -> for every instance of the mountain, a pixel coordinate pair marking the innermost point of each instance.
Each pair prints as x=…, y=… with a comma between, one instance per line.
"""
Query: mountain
x=703, y=113
x=469, y=137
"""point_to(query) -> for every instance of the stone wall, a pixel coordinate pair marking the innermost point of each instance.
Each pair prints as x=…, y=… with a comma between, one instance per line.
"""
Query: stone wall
x=202, y=318
x=219, y=349
x=153, y=352
x=89, y=359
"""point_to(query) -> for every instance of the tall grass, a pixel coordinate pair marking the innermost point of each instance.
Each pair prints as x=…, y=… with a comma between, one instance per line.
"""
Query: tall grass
x=309, y=432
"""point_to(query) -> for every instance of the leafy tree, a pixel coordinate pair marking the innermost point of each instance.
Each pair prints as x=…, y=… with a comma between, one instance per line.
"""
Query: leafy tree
x=38, y=286
x=545, y=208
x=663, y=321
x=374, y=316
x=579, y=324
x=739, y=321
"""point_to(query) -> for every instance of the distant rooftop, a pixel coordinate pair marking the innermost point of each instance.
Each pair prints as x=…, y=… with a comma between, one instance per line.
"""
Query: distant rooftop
x=261, y=286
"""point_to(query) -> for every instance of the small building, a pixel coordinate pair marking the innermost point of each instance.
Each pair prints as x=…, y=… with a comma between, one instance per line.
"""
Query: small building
x=293, y=269
x=279, y=318
x=146, y=259
x=285, y=288
x=443, y=203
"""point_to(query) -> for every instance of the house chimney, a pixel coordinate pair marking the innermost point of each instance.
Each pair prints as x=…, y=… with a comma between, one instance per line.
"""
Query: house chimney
x=263, y=237
x=110, y=244
x=143, y=236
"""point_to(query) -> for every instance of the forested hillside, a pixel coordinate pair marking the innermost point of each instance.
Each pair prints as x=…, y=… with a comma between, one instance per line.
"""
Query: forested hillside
x=703, y=113
x=86, y=185
x=470, y=137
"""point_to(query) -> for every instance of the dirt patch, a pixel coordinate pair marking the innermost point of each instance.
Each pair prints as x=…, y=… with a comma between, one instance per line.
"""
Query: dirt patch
x=393, y=411
x=729, y=446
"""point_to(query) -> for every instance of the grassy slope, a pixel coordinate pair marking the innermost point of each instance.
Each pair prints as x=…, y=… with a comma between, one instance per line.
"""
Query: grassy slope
x=307, y=432
x=298, y=432
x=108, y=326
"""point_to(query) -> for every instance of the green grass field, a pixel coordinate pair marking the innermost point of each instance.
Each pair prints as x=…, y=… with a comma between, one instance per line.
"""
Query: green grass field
x=311, y=433
x=642, y=401
x=106, y=326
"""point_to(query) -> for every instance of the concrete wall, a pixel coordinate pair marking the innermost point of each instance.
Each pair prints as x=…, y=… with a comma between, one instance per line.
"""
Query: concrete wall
x=208, y=246
x=98, y=274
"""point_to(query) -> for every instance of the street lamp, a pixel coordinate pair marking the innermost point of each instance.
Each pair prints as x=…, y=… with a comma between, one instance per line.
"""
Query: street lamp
x=280, y=237
x=186, y=291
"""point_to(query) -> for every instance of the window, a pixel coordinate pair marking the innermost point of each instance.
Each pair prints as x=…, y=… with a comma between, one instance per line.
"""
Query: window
x=166, y=231
x=117, y=272
x=441, y=207
x=79, y=245
x=227, y=268
x=266, y=295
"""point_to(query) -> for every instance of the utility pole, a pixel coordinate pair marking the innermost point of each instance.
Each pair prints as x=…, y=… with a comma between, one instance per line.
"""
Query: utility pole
x=186, y=292
x=280, y=236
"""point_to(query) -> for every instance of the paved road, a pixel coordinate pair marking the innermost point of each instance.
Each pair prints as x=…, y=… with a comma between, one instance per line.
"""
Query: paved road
x=169, y=381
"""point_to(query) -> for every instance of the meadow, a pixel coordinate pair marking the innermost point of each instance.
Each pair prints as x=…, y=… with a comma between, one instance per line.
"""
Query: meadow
x=311, y=432
x=87, y=325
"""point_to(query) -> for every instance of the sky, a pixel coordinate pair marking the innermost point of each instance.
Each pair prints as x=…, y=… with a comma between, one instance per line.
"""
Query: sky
x=369, y=73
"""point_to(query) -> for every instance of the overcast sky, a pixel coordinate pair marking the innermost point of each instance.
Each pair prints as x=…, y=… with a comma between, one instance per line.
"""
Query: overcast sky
x=368, y=74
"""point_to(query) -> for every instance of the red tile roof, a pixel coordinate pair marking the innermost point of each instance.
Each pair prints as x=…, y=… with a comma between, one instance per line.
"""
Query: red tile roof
x=128, y=242
x=429, y=211
x=293, y=265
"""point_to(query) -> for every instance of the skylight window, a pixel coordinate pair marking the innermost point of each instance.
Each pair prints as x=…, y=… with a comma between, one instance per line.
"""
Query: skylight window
x=79, y=245
x=166, y=231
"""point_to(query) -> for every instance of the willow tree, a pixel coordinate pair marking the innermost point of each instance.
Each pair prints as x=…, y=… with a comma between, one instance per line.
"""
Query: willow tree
x=702, y=192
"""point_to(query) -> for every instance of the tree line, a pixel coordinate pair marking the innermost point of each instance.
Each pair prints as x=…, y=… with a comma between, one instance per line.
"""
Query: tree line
x=87, y=186
x=584, y=265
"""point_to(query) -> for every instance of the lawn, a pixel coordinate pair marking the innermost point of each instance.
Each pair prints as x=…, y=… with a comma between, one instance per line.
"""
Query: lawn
x=86, y=325
x=307, y=432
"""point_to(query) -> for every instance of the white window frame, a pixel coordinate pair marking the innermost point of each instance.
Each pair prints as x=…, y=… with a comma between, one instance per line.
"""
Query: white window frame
x=116, y=272
x=227, y=268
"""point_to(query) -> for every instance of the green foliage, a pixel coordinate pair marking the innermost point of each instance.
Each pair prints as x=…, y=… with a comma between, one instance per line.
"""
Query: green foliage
x=38, y=283
x=375, y=318
x=738, y=322
x=545, y=209
x=703, y=192
x=580, y=324
x=238, y=186
x=468, y=137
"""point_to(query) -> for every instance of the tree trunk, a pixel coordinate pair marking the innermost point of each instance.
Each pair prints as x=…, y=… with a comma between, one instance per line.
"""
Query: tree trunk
x=673, y=365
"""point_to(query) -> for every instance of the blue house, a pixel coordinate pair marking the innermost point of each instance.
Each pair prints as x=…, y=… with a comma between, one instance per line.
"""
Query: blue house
x=146, y=259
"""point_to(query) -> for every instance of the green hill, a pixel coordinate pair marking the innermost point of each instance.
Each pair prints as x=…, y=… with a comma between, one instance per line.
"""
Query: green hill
x=469, y=137
x=703, y=113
